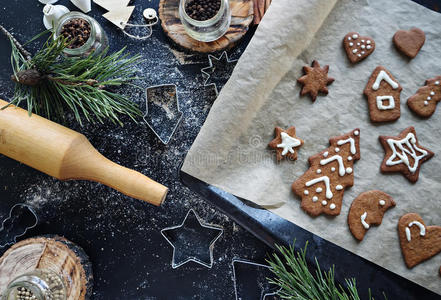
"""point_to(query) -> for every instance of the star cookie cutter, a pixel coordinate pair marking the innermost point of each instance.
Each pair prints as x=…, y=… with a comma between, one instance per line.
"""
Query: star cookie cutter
x=193, y=240
x=245, y=266
x=162, y=111
x=220, y=61
x=22, y=217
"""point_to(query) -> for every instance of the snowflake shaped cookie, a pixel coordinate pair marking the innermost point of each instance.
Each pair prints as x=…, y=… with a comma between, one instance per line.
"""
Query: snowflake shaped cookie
x=404, y=154
x=285, y=142
x=315, y=80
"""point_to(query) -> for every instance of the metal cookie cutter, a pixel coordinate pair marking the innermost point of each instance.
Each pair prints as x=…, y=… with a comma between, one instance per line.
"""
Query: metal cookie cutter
x=250, y=280
x=217, y=66
x=22, y=217
x=162, y=111
x=193, y=240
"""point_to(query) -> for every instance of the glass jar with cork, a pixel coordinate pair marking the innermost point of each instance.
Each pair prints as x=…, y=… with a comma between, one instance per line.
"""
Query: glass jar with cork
x=205, y=20
x=83, y=34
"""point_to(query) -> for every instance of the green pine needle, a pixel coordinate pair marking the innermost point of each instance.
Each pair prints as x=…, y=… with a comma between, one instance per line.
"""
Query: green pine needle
x=296, y=281
x=77, y=85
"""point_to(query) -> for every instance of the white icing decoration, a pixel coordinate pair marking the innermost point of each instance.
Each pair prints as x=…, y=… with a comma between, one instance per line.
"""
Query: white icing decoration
x=436, y=82
x=362, y=41
x=349, y=158
x=324, y=202
x=429, y=98
x=359, y=55
x=319, y=190
x=421, y=226
x=348, y=170
x=368, y=46
x=384, y=76
x=363, y=220
x=288, y=142
x=354, y=51
x=306, y=192
x=358, y=44
x=349, y=38
x=351, y=44
x=325, y=179
x=339, y=159
x=356, y=132
x=368, y=41
x=339, y=187
x=314, y=199
x=332, y=206
x=382, y=202
x=348, y=140
x=318, y=171
x=432, y=93
x=332, y=169
x=355, y=36
x=325, y=154
x=426, y=103
x=407, y=146
x=337, y=149
x=362, y=52
x=380, y=104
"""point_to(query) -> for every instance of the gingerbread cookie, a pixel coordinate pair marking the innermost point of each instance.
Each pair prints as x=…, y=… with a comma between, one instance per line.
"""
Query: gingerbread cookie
x=322, y=186
x=383, y=94
x=358, y=47
x=315, y=80
x=418, y=241
x=424, y=102
x=285, y=143
x=366, y=210
x=403, y=153
x=409, y=42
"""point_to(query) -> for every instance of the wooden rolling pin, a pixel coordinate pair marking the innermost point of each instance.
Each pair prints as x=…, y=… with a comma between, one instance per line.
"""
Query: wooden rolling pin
x=66, y=154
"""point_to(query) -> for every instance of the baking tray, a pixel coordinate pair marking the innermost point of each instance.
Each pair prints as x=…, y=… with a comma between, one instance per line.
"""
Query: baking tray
x=272, y=229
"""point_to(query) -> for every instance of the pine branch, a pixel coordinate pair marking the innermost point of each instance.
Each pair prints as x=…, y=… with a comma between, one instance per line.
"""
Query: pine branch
x=51, y=84
x=296, y=281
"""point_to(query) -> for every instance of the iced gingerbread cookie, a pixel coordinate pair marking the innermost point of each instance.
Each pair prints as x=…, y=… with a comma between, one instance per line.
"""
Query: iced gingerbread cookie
x=322, y=186
x=315, y=80
x=403, y=153
x=366, y=210
x=424, y=102
x=418, y=241
x=358, y=47
x=285, y=143
x=409, y=42
x=383, y=94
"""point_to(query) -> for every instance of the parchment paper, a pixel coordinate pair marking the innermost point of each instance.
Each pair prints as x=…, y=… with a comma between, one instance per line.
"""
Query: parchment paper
x=231, y=151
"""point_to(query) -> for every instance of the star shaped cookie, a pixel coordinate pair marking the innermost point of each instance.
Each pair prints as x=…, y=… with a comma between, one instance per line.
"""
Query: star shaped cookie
x=285, y=142
x=315, y=80
x=403, y=153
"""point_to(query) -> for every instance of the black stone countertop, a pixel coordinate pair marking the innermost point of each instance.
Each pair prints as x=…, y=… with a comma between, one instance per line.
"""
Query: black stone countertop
x=131, y=260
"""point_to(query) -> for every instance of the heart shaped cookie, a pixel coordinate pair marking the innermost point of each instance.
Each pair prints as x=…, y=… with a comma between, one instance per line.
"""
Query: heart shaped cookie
x=409, y=42
x=418, y=241
x=358, y=47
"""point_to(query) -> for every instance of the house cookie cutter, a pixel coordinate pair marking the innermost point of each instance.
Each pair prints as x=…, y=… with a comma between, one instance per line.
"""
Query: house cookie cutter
x=163, y=114
x=192, y=240
x=209, y=71
x=265, y=288
x=22, y=217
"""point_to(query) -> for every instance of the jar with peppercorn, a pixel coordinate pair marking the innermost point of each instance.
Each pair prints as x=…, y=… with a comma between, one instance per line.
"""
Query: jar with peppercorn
x=84, y=35
x=39, y=284
x=205, y=20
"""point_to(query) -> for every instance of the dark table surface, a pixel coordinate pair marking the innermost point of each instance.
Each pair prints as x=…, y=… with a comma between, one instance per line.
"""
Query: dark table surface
x=131, y=260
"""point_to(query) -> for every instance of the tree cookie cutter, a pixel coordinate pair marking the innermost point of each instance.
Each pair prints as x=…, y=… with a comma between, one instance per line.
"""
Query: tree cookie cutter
x=162, y=111
x=257, y=286
x=217, y=67
x=22, y=217
x=193, y=240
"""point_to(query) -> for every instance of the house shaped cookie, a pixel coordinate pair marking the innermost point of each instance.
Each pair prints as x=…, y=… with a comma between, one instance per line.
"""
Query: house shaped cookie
x=383, y=94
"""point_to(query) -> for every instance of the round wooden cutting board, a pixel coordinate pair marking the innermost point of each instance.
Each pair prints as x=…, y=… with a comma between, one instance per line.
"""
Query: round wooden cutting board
x=241, y=17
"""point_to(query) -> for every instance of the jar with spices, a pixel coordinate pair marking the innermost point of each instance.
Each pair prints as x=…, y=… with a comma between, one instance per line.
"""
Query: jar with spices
x=38, y=284
x=83, y=34
x=205, y=20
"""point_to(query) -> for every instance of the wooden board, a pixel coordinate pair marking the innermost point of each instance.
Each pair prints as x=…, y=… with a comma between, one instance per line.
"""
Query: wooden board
x=242, y=15
x=52, y=253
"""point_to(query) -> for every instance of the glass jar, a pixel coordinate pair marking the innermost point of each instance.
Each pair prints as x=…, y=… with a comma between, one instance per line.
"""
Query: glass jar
x=208, y=30
x=97, y=41
x=36, y=285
